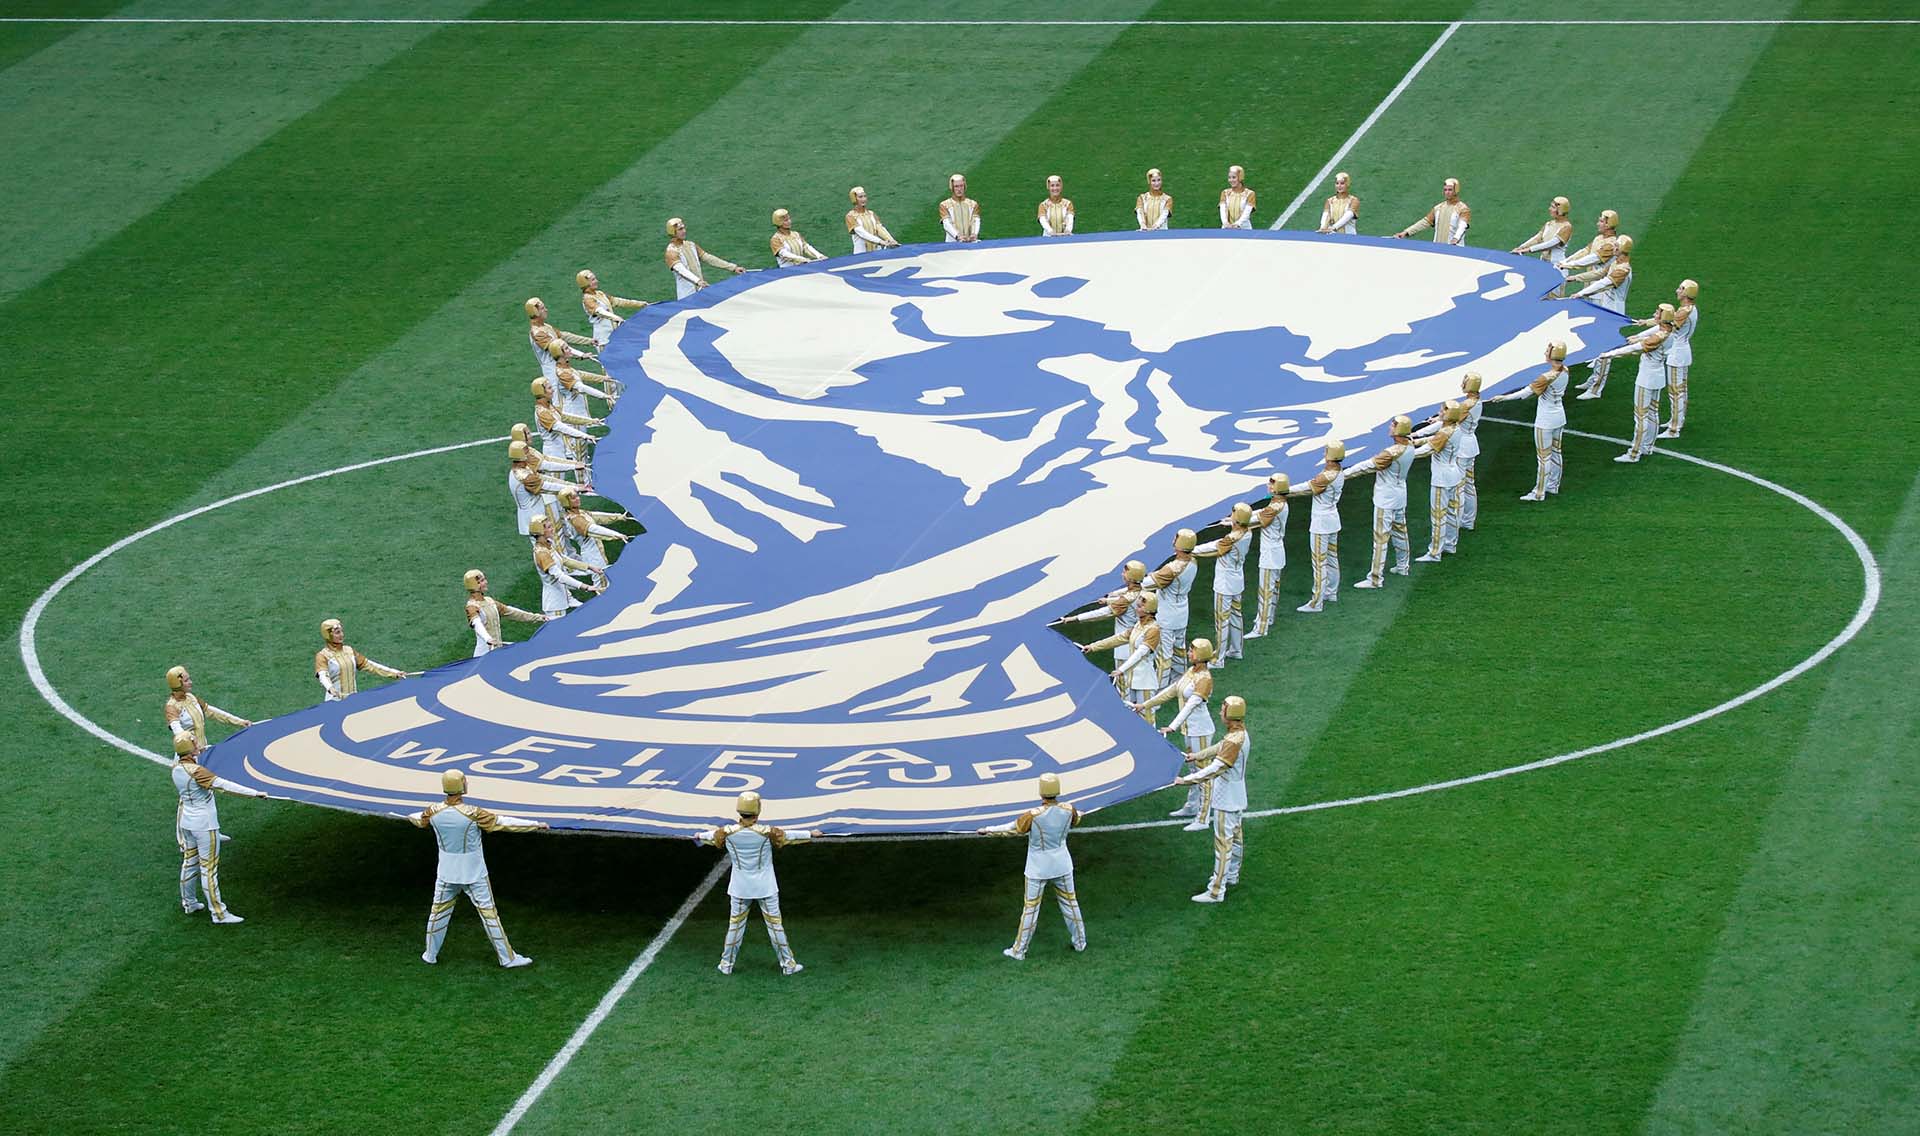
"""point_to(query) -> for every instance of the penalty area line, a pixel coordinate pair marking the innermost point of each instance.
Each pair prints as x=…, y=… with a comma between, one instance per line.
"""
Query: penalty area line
x=604, y=1008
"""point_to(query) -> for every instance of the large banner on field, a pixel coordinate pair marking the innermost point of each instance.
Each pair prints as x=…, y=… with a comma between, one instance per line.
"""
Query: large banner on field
x=869, y=484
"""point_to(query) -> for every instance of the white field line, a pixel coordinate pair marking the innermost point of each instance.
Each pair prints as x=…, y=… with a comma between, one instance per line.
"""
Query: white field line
x=30, y=626
x=1353, y=139
x=829, y=22
x=608, y=1001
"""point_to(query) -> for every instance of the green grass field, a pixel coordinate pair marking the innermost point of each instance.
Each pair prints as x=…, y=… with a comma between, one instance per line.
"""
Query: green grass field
x=243, y=252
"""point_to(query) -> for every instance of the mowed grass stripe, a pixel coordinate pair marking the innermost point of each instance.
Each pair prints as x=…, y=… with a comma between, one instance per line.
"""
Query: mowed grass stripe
x=237, y=303
x=21, y=41
x=903, y=941
x=170, y=105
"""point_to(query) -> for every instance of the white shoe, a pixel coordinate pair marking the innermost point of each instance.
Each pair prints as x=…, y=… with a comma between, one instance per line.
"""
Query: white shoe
x=517, y=961
x=1402, y=570
x=796, y=968
x=724, y=968
x=1449, y=550
x=1256, y=633
x=229, y=917
x=1427, y=558
x=1367, y=584
x=428, y=959
x=1208, y=897
x=1308, y=607
x=1216, y=665
x=1533, y=496
x=1628, y=457
x=1196, y=825
x=1232, y=880
x=1183, y=811
x=195, y=908
x=1080, y=946
x=1666, y=434
x=1332, y=597
x=224, y=838
x=1468, y=528
x=1015, y=956
x=1585, y=395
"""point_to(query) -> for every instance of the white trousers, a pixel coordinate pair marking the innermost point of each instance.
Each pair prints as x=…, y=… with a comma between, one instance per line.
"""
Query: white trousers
x=737, y=910
x=1325, y=549
x=1469, y=494
x=480, y=894
x=1229, y=626
x=1229, y=849
x=1549, y=462
x=200, y=869
x=1646, y=418
x=1199, y=797
x=1389, y=528
x=1677, y=397
x=1069, y=901
x=1269, y=599
x=1444, y=513
x=1597, y=381
x=1171, y=657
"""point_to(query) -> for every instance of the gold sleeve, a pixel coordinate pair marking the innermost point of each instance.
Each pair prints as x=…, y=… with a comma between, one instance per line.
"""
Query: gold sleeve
x=1203, y=684
x=1023, y=823
x=202, y=776
x=1167, y=573
x=485, y=818
x=512, y=612
x=777, y=835
x=1152, y=637
x=1229, y=750
x=623, y=302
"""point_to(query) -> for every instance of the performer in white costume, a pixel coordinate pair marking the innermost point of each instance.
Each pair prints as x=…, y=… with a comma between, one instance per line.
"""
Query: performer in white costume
x=1449, y=220
x=1341, y=212
x=1224, y=764
x=1597, y=255
x=532, y=491
x=1651, y=347
x=186, y=712
x=1136, y=670
x=1154, y=208
x=196, y=827
x=1055, y=212
x=557, y=585
x=549, y=343
x=959, y=214
x=1686, y=317
x=789, y=247
x=1174, y=583
x=1473, y=408
x=1229, y=555
x=749, y=846
x=462, y=870
x=1607, y=286
x=599, y=306
x=484, y=614
x=1193, y=688
x=863, y=225
x=1549, y=419
x=685, y=260
x=571, y=390
x=1049, y=864
x=1117, y=605
x=1323, y=528
x=586, y=530
x=1271, y=521
x=1550, y=243
x=1236, y=201
x=561, y=436
x=338, y=666
x=1389, y=468
x=1443, y=448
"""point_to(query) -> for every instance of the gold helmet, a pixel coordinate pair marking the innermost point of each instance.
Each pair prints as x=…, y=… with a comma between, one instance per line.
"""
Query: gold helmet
x=1150, y=603
x=453, y=782
x=1665, y=314
x=1200, y=651
x=519, y=433
x=1133, y=572
x=951, y=178
x=533, y=305
x=1690, y=289
x=1153, y=173
x=1184, y=540
x=327, y=625
x=1452, y=411
x=1402, y=426
x=853, y=195
x=1336, y=451
x=1563, y=205
x=1557, y=351
x=782, y=217
x=1049, y=786
x=1242, y=513
x=538, y=387
x=581, y=278
x=518, y=451
x=1279, y=485
x=1471, y=382
x=570, y=497
x=537, y=524
x=672, y=224
x=472, y=579
x=1451, y=183
x=1234, y=708
x=176, y=678
x=185, y=745
x=747, y=804
x=557, y=347
x=1609, y=218
x=1623, y=246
